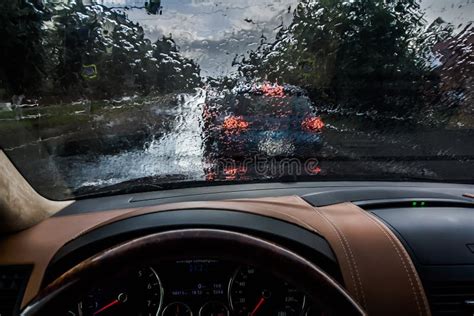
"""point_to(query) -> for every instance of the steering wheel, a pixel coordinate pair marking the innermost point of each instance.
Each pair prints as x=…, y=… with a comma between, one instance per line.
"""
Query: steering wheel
x=196, y=243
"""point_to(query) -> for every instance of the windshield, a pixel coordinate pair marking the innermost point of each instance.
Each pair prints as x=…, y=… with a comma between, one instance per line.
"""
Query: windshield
x=105, y=96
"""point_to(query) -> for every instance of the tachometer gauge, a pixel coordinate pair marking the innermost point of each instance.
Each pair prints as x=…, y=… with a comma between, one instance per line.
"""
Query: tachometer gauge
x=150, y=286
x=137, y=293
x=254, y=293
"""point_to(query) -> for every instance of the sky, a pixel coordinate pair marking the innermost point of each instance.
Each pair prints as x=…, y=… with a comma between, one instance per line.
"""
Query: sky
x=213, y=32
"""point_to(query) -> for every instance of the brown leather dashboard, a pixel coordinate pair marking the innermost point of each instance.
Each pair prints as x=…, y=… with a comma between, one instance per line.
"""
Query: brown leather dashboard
x=376, y=268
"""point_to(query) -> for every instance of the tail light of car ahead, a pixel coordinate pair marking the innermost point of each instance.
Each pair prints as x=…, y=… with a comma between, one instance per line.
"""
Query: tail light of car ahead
x=312, y=124
x=273, y=90
x=235, y=123
x=232, y=173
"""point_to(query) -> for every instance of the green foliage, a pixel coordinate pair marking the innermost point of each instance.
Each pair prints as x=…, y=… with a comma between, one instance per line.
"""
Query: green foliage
x=21, y=52
x=47, y=55
x=126, y=62
x=175, y=71
x=360, y=54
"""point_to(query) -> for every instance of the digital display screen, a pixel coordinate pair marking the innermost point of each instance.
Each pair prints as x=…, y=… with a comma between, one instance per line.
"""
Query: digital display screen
x=196, y=281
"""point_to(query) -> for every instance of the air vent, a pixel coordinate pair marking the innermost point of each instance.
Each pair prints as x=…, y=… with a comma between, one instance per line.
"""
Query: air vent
x=12, y=285
x=451, y=298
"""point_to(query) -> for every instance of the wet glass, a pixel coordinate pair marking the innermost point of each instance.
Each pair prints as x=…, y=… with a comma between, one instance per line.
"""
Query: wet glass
x=109, y=96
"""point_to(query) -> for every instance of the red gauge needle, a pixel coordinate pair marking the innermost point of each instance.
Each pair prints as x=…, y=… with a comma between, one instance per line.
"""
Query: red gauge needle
x=257, y=307
x=113, y=303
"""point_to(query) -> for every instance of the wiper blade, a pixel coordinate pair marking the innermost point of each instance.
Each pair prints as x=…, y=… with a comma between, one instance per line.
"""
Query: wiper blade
x=126, y=187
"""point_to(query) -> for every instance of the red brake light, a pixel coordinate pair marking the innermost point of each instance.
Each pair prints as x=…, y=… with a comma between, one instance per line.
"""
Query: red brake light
x=312, y=124
x=231, y=173
x=235, y=123
x=273, y=90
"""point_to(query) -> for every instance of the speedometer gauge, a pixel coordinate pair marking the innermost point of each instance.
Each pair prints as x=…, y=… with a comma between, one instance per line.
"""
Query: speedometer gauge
x=254, y=293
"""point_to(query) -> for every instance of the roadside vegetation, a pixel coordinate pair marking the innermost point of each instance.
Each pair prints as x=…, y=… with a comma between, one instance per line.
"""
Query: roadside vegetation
x=372, y=57
x=59, y=53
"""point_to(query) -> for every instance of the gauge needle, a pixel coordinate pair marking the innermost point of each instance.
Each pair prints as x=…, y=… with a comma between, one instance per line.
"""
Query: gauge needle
x=257, y=307
x=113, y=303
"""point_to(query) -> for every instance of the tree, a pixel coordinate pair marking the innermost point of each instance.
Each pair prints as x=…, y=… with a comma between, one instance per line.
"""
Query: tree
x=359, y=55
x=72, y=51
x=175, y=71
x=21, y=51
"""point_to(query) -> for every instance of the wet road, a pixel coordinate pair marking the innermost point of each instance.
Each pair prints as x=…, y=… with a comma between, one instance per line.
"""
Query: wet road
x=168, y=144
x=176, y=152
x=172, y=150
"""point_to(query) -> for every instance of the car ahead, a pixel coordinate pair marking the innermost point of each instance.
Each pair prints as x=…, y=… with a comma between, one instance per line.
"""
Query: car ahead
x=261, y=119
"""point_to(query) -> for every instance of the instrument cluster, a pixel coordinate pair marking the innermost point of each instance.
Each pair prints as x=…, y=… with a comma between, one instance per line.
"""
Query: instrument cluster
x=193, y=288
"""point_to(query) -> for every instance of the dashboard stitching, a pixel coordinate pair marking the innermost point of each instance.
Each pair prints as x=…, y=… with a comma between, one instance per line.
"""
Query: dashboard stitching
x=354, y=263
x=338, y=234
x=420, y=287
x=410, y=263
x=352, y=257
x=402, y=260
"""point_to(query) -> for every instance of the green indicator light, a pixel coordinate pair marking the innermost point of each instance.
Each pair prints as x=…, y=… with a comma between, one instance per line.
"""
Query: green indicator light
x=422, y=203
x=413, y=203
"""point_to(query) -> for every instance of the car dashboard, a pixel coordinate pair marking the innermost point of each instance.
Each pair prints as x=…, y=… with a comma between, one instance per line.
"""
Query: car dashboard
x=396, y=249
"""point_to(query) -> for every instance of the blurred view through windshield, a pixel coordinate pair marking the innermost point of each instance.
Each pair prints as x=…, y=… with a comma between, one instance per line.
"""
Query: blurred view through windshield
x=105, y=96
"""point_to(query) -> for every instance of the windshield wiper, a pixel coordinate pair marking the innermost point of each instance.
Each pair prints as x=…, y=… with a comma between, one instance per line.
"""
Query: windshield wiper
x=126, y=187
